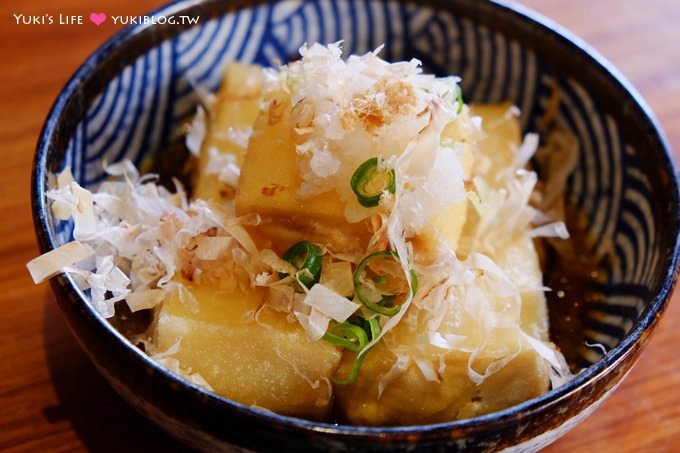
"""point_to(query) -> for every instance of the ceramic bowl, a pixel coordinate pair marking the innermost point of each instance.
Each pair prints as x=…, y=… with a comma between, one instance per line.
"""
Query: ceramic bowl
x=129, y=98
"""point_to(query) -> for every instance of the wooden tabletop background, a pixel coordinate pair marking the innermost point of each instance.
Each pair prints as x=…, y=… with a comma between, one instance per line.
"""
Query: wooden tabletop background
x=51, y=398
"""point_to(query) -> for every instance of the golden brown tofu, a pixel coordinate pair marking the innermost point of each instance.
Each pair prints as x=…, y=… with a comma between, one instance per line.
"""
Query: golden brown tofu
x=230, y=123
x=520, y=261
x=413, y=399
x=269, y=186
x=503, y=136
x=495, y=152
x=269, y=363
x=410, y=398
x=448, y=224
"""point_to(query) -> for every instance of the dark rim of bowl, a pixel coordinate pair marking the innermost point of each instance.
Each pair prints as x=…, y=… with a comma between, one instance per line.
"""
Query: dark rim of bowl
x=645, y=323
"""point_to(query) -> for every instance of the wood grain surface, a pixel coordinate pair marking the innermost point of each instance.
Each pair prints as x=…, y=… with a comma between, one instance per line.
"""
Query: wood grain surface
x=52, y=399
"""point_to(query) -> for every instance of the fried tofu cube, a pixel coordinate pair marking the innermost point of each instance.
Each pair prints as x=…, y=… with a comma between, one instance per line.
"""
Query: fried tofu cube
x=503, y=136
x=268, y=362
x=452, y=394
x=270, y=181
x=411, y=399
x=448, y=224
x=229, y=125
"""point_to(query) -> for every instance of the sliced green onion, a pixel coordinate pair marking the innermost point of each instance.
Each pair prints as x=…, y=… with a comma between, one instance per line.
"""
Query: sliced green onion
x=380, y=279
x=369, y=182
x=306, y=258
x=414, y=281
x=347, y=335
x=372, y=325
x=352, y=374
x=459, y=98
x=371, y=292
x=375, y=291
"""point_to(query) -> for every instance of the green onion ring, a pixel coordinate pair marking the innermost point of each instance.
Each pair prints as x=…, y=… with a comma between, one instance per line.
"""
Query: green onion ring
x=347, y=335
x=414, y=281
x=306, y=258
x=381, y=307
x=373, y=325
x=459, y=98
x=353, y=374
x=365, y=176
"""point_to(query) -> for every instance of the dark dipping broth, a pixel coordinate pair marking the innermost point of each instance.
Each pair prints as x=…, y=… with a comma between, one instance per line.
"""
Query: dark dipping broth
x=576, y=280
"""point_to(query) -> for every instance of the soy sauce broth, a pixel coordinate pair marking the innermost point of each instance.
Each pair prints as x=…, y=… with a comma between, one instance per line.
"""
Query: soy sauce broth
x=576, y=279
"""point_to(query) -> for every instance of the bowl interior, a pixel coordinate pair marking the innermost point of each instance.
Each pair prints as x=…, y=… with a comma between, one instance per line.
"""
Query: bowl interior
x=130, y=99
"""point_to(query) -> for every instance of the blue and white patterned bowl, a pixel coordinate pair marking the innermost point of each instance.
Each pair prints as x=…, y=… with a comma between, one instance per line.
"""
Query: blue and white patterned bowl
x=129, y=98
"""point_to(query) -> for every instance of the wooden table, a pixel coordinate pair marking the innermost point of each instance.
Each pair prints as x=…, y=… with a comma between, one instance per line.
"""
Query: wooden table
x=51, y=398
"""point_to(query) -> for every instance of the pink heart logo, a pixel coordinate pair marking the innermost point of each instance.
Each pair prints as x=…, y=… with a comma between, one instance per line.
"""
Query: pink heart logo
x=97, y=18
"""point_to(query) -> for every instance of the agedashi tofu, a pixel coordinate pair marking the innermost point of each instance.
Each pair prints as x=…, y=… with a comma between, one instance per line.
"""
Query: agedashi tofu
x=495, y=151
x=357, y=246
x=452, y=394
x=520, y=257
x=266, y=362
x=270, y=181
x=448, y=224
x=502, y=135
x=228, y=127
